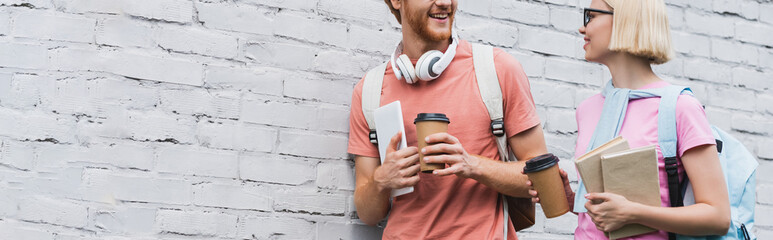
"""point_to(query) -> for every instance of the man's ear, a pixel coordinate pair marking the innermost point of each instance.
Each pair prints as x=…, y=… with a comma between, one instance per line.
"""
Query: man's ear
x=397, y=4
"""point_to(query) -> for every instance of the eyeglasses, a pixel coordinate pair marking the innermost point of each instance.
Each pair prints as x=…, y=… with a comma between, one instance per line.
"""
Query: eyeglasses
x=587, y=12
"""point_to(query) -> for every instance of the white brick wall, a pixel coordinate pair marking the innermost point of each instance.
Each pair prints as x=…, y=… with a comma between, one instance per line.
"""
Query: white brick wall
x=177, y=119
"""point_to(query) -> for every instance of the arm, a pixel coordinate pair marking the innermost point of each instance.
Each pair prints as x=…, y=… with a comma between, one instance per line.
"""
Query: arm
x=374, y=182
x=710, y=214
x=506, y=178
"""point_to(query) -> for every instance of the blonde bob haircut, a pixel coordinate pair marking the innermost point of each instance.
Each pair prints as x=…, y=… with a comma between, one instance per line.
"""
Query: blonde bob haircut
x=394, y=11
x=640, y=27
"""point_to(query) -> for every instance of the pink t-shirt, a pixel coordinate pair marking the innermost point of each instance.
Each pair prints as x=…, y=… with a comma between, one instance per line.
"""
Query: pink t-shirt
x=640, y=128
x=450, y=207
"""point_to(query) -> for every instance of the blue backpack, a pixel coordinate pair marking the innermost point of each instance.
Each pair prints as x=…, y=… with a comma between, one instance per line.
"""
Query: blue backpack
x=738, y=165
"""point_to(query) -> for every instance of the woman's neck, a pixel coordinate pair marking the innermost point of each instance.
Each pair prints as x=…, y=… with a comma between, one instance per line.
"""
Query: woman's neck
x=630, y=71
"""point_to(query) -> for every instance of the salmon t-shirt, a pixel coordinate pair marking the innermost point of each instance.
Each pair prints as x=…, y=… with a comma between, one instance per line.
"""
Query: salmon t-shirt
x=640, y=128
x=450, y=207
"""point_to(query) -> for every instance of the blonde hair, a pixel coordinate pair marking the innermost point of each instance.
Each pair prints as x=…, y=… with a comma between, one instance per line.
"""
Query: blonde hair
x=394, y=11
x=640, y=27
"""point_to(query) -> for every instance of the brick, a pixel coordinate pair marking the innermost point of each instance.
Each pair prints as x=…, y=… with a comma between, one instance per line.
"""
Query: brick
x=297, y=5
x=198, y=162
x=11, y=229
x=236, y=136
x=244, y=196
x=750, y=10
x=750, y=124
x=310, y=29
x=277, y=113
x=267, y=227
x=164, y=68
x=572, y=3
x=734, y=52
x=335, y=230
x=5, y=23
x=336, y=175
x=561, y=121
x=708, y=24
x=22, y=91
x=544, y=94
x=565, y=224
x=125, y=32
x=76, y=59
x=708, y=71
x=523, y=12
x=132, y=94
x=26, y=56
x=255, y=80
x=766, y=58
x=125, y=220
x=549, y=42
x=344, y=63
x=764, y=150
x=727, y=6
x=44, y=26
x=481, y=8
x=106, y=187
x=675, y=18
x=765, y=193
x=97, y=6
x=674, y=68
x=333, y=118
x=752, y=79
x=284, y=55
x=373, y=11
x=373, y=40
x=125, y=155
x=199, y=101
x=565, y=19
x=309, y=201
x=754, y=33
x=572, y=71
x=233, y=17
x=276, y=169
x=719, y=117
x=765, y=104
x=479, y=30
x=196, y=40
x=53, y=211
x=691, y=44
x=196, y=223
x=166, y=10
x=318, y=88
x=157, y=126
x=533, y=65
x=762, y=216
x=312, y=145
x=561, y=145
x=9, y=203
x=765, y=166
x=742, y=99
x=37, y=125
x=766, y=8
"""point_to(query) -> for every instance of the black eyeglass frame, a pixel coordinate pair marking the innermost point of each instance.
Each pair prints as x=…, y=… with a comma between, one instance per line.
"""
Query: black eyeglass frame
x=586, y=14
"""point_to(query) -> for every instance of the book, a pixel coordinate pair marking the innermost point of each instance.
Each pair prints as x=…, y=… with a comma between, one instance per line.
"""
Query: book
x=389, y=121
x=632, y=174
x=589, y=164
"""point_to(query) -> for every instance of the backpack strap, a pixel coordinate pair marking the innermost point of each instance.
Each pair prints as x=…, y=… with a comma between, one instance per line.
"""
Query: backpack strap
x=371, y=97
x=491, y=93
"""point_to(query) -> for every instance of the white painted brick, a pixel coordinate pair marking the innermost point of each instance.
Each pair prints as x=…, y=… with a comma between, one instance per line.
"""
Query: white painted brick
x=318, y=88
x=199, y=101
x=561, y=120
x=125, y=32
x=45, y=26
x=5, y=22
x=565, y=224
x=268, y=227
x=480, y=7
x=132, y=94
x=53, y=211
x=9, y=203
x=164, y=69
x=19, y=55
x=344, y=63
x=347, y=231
x=198, y=162
x=157, y=126
x=17, y=154
x=573, y=71
x=765, y=104
x=284, y=55
x=727, y=6
x=750, y=10
x=702, y=5
x=276, y=169
x=674, y=68
x=704, y=23
x=333, y=118
x=765, y=10
x=167, y=10
x=309, y=201
x=565, y=19
x=312, y=145
x=766, y=58
x=23, y=91
x=719, y=117
x=236, y=136
x=76, y=59
x=125, y=220
x=765, y=151
x=533, y=13
x=196, y=40
x=196, y=223
x=741, y=99
x=336, y=175
x=479, y=30
x=310, y=29
x=675, y=18
x=284, y=4
x=691, y=44
x=752, y=79
x=106, y=187
x=256, y=80
x=244, y=196
x=544, y=94
x=278, y=113
x=98, y=6
x=763, y=216
x=754, y=33
x=374, y=40
x=734, y=52
x=11, y=229
x=763, y=233
x=549, y=42
x=752, y=124
x=561, y=145
x=125, y=155
x=765, y=193
x=533, y=65
x=235, y=17
x=708, y=71
x=765, y=166
x=573, y=3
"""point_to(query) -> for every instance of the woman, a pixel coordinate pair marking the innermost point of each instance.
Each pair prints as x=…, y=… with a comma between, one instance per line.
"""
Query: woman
x=627, y=37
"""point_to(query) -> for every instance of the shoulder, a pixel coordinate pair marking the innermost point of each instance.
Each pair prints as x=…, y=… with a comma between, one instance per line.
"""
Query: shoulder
x=591, y=102
x=688, y=105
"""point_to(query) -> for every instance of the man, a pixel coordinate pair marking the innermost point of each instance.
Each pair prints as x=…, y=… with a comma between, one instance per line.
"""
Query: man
x=460, y=201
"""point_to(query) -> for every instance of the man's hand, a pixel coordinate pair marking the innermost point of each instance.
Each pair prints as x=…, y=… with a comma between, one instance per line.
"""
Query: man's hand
x=400, y=167
x=451, y=152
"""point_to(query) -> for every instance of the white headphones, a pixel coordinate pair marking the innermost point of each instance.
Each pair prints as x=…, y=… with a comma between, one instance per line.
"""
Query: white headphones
x=430, y=65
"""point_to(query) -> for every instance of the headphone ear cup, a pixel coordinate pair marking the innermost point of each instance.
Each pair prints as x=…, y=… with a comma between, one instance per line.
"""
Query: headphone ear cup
x=406, y=69
x=425, y=64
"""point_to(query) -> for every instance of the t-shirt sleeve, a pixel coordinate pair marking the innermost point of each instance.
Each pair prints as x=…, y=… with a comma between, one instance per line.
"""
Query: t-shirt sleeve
x=520, y=112
x=359, y=142
x=692, y=126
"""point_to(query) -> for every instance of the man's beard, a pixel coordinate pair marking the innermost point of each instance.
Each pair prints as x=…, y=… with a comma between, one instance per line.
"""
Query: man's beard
x=419, y=22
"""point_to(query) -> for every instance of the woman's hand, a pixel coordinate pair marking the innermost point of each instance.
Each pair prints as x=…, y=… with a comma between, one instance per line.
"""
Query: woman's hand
x=567, y=189
x=611, y=213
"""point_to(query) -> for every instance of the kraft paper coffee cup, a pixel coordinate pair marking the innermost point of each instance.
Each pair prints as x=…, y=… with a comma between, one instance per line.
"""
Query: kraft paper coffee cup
x=428, y=124
x=543, y=173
